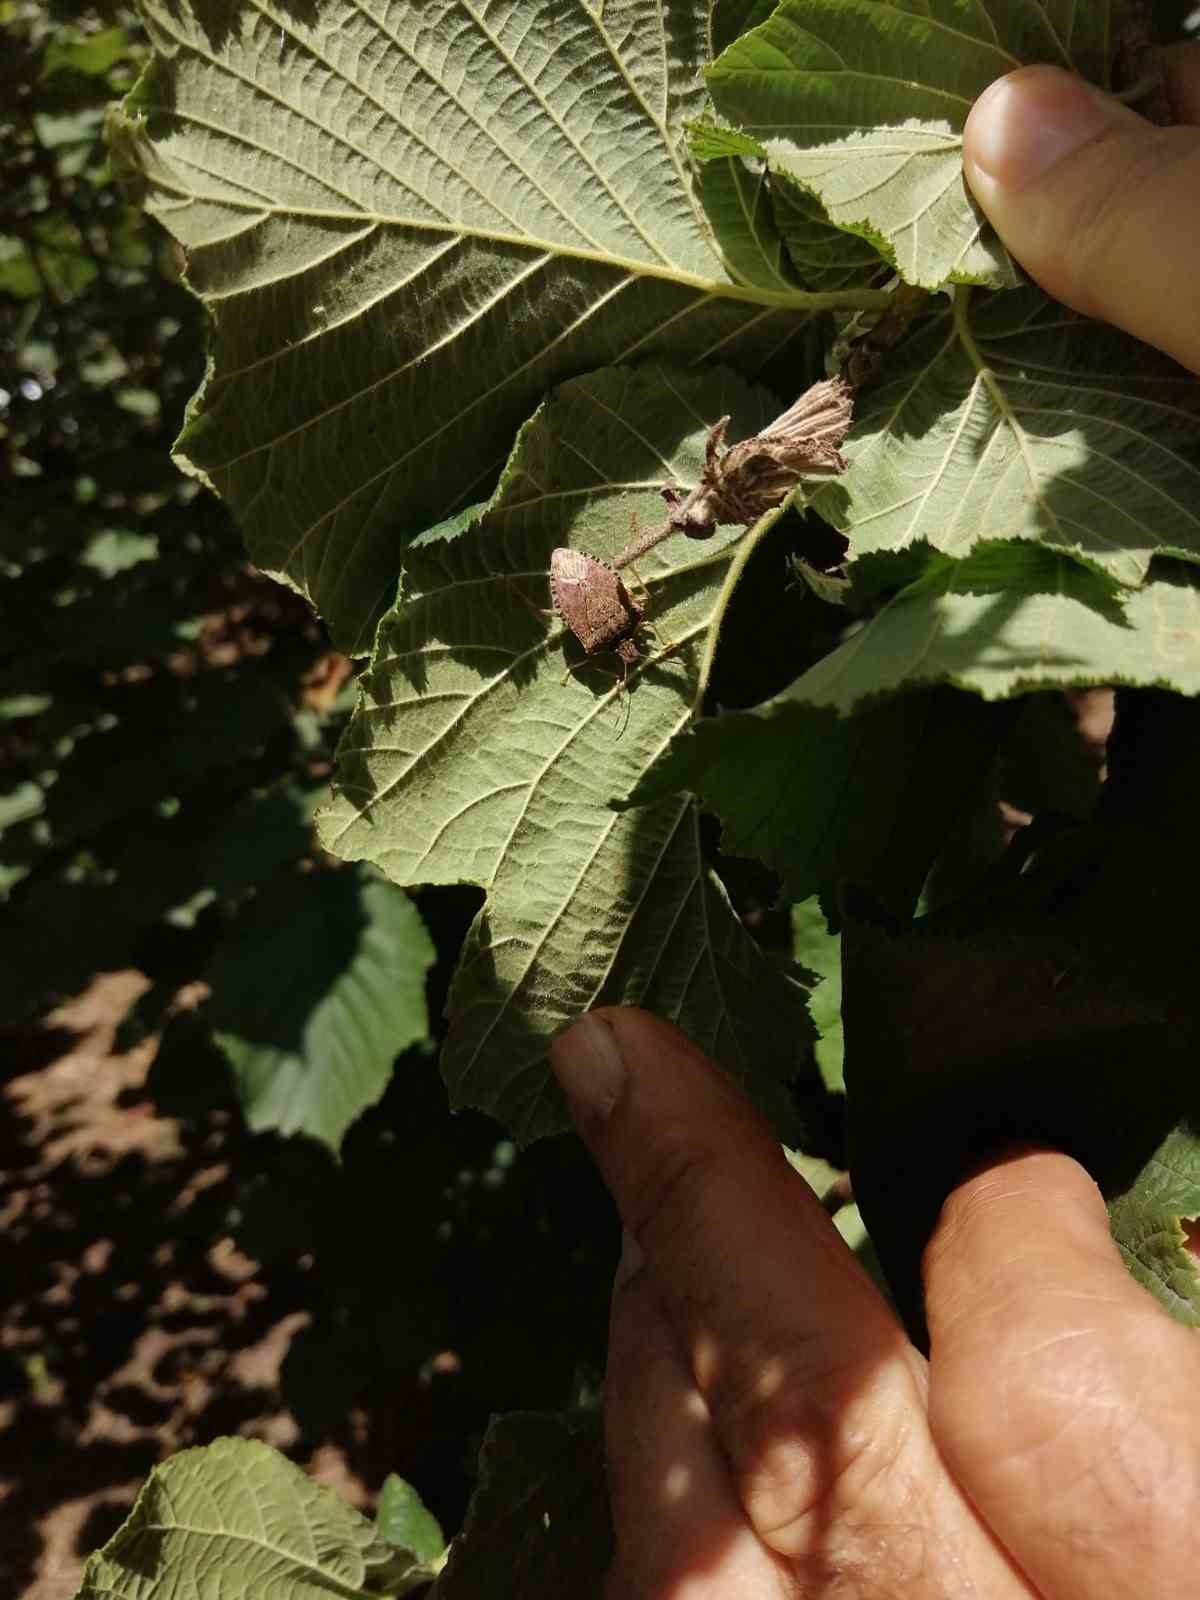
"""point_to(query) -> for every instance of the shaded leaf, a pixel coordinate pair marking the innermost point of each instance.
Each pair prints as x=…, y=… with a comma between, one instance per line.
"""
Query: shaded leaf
x=472, y=759
x=538, y=1522
x=825, y=257
x=733, y=17
x=820, y=951
x=235, y=1519
x=316, y=993
x=169, y=745
x=822, y=798
x=1034, y=625
x=1010, y=1024
x=771, y=225
x=737, y=201
x=408, y=223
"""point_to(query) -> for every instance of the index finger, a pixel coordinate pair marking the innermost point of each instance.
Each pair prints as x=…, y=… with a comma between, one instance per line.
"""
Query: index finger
x=816, y=1396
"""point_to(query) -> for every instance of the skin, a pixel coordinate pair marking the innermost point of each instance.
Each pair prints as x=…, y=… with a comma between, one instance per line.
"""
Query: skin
x=771, y=1431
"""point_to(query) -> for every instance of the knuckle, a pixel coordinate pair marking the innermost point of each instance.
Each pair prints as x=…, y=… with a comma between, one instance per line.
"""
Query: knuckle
x=810, y=1450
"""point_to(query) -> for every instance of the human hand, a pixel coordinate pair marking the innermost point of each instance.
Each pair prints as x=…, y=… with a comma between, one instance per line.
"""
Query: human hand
x=1101, y=207
x=771, y=1432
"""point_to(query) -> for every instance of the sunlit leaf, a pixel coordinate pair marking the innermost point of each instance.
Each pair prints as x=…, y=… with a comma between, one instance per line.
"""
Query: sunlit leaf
x=472, y=758
x=1039, y=625
x=864, y=102
x=1010, y=417
x=234, y=1520
x=409, y=222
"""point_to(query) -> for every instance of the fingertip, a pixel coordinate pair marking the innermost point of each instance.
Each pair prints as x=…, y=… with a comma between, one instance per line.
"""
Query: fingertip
x=1019, y=1238
x=1097, y=204
x=1055, y=1378
x=1002, y=1194
x=589, y=1063
x=1025, y=123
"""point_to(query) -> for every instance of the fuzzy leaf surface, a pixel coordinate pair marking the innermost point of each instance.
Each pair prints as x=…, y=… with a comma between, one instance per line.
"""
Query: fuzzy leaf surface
x=1010, y=417
x=236, y=1519
x=1148, y=1224
x=864, y=103
x=471, y=758
x=409, y=221
x=1037, y=623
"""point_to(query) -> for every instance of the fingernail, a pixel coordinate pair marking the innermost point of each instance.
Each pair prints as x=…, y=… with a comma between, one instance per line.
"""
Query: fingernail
x=631, y=1260
x=1024, y=124
x=588, y=1064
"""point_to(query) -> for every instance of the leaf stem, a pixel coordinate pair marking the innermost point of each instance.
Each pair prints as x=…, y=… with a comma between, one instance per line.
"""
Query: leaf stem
x=737, y=566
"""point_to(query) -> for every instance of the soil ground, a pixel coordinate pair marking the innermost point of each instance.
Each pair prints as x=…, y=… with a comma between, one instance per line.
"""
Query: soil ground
x=398, y=1300
x=127, y=1334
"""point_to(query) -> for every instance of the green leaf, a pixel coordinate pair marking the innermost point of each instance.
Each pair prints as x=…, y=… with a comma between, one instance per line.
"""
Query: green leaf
x=824, y=257
x=117, y=550
x=471, y=758
x=1009, y=417
x=772, y=231
x=737, y=201
x=72, y=50
x=315, y=995
x=733, y=17
x=538, y=1523
x=404, y=1521
x=822, y=798
x=236, y=1519
x=1038, y=625
x=820, y=951
x=864, y=103
x=1148, y=1224
x=407, y=226
x=55, y=260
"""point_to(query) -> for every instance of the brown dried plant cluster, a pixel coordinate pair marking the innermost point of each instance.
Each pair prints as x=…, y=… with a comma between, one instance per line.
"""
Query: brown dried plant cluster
x=742, y=482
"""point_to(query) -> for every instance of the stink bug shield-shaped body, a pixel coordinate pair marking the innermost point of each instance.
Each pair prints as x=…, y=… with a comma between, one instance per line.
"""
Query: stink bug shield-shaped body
x=592, y=600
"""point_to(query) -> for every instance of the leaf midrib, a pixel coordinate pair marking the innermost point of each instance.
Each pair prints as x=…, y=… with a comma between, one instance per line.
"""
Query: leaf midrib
x=323, y=1579
x=310, y=49
x=791, y=300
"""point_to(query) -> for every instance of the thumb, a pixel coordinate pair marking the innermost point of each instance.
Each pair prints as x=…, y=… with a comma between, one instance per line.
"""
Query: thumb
x=1100, y=206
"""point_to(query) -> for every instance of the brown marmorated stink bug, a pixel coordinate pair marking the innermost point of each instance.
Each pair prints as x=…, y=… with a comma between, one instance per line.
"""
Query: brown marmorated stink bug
x=591, y=598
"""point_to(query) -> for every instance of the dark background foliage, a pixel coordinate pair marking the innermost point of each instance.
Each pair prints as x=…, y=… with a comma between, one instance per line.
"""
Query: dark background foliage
x=167, y=719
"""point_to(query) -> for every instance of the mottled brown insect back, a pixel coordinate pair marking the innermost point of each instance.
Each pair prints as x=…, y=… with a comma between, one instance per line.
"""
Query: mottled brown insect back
x=594, y=603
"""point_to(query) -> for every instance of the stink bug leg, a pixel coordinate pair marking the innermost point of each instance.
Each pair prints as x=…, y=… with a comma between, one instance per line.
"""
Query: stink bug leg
x=667, y=644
